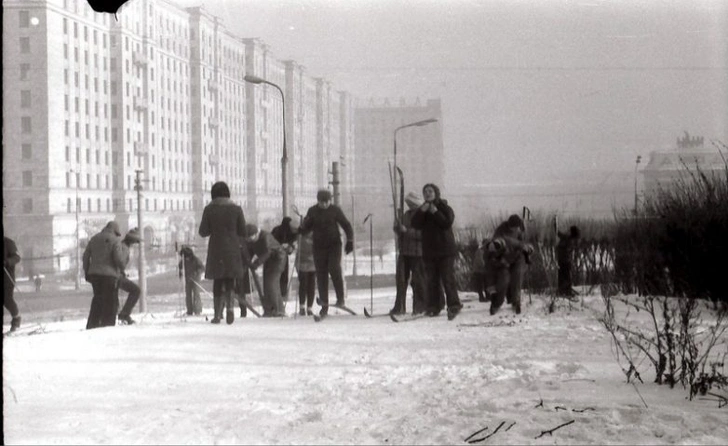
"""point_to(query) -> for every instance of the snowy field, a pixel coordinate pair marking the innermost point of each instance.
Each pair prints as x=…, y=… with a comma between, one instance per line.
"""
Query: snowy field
x=347, y=380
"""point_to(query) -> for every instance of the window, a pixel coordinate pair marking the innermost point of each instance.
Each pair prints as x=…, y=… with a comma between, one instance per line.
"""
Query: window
x=65, y=26
x=78, y=154
x=27, y=205
x=68, y=206
x=27, y=151
x=25, y=45
x=25, y=98
x=26, y=125
x=27, y=178
x=24, y=70
x=68, y=153
x=68, y=181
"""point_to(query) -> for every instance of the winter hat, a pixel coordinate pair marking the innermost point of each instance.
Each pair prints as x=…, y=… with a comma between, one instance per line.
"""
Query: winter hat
x=132, y=236
x=251, y=229
x=323, y=195
x=515, y=221
x=575, y=233
x=434, y=187
x=413, y=199
x=114, y=226
x=220, y=189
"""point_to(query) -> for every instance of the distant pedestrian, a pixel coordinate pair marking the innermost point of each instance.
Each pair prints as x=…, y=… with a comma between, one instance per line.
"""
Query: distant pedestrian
x=324, y=219
x=506, y=259
x=435, y=219
x=38, y=281
x=193, y=268
x=102, y=267
x=479, y=276
x=565, y=249
x=286, y=236
x=409, y=263
x=125, y=284
x=306, y=271
x=223, y=221
x=265, y=251
x=10, y=259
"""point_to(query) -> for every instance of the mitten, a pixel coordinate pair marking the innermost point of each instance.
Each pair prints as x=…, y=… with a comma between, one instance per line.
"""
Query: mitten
x=349, y=247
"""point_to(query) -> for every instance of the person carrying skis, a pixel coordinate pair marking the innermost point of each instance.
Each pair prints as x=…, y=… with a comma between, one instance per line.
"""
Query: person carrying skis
x=506, y=259
x=324, y=220
x=409, y=263
x=266, y=251
x=10, y=259
x=131, y=238
x=193, y=269
x=224, y=222
x=564, y=258
x=435, y=219
x=102, y=266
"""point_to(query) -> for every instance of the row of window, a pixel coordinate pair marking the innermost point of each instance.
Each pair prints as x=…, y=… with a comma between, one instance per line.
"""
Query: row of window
x=117, y=205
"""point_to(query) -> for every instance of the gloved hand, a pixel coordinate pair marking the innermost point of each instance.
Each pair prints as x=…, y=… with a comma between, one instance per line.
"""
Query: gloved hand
x=528, y=249
x=496, y=245
x=349, y=248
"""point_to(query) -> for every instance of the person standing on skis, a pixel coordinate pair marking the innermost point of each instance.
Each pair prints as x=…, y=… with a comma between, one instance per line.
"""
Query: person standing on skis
x=267, y=252
x=324, y=220
x=409, y=262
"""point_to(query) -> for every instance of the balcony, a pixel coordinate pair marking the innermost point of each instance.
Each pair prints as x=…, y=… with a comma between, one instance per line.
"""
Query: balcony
x=214, y=159
x=213, y=85
x=213, y=122
x=140, y=148
x=141, y=103
x=140, y=59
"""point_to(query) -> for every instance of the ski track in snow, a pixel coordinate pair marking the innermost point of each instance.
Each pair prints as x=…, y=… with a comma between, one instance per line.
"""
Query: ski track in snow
x=347, y=380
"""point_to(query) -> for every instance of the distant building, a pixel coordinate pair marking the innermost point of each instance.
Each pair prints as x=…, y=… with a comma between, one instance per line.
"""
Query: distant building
x=420, y=152
x=89, y=100
x=690, y=155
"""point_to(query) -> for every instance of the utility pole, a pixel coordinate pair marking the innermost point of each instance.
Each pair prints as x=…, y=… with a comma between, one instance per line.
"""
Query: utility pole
x=353, y=218
x=335, y=181
x=142, y=273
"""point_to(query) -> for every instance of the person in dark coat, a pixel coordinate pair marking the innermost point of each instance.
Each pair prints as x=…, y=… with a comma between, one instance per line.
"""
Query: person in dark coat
x=125, y=284
x=267, y=252
x=224, y=222
x=409, y=263
x=287, y=238
x=435, y=219
x=565, y=259
x=506, y=259
x=102, y=266
x=10, y=259
x=324, y=219
x=193, y=268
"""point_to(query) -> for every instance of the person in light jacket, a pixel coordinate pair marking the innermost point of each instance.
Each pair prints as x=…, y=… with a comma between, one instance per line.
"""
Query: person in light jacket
x=102, y=267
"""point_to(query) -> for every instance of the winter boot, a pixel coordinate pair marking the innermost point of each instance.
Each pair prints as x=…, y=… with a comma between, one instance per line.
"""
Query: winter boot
x=15, y=323
x=125, y=319
x=302, y=312
x=452, y=313
x=309, y=311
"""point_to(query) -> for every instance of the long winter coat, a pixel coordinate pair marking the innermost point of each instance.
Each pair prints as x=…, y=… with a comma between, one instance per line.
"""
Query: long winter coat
x=325, y=226
x=305, y=255
x=223, y=221
x=438, y=239
x=103, y=255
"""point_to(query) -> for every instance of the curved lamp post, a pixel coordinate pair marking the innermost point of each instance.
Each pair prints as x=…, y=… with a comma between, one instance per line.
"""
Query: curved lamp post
x=636, y=165
x=284, y=157
x=394, y=168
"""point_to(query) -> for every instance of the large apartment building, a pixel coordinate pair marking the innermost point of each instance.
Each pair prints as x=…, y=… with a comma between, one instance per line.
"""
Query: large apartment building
x=92, y=103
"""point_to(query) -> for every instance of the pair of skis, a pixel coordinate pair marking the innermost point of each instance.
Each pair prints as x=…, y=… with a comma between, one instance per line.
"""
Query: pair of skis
x=318, y=318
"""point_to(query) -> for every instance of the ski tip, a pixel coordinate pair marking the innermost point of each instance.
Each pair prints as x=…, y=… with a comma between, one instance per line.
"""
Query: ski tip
x=393, y=317
x=366, y=313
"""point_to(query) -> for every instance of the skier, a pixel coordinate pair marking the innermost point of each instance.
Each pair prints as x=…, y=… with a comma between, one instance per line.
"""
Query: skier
x=506, y=259
x=324, y=220
x=10, y=259
x=409, y=262
x=224, y=222
x=564, y=258
x=285, y=235
x=306, y=274
x=102, y=266
x=193, y=269
x=131, y=238
x=266, y=251
x=435, y=219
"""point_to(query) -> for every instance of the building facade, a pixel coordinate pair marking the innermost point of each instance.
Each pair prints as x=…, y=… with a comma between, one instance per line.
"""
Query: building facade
x=96, y=108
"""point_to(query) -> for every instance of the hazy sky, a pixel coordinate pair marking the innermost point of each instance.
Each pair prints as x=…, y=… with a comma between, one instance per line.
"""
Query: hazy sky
x=530, y=89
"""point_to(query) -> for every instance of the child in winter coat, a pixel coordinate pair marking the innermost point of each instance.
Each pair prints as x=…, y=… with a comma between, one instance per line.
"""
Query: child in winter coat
x=306, y=271
x=266, y=251
x=192, y=268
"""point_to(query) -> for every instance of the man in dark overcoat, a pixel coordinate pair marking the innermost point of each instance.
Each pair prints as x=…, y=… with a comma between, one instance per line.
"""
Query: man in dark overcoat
x=102, y=266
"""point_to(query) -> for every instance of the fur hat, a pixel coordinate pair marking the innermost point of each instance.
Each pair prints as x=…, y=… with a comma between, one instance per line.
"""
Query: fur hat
x=132, y=236
x=323, y=195
x=413, y=199
x=574, y=231
x=516, y=221
x=250, y=230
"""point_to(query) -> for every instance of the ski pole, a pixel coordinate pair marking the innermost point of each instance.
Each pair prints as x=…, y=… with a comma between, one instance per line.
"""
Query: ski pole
x=15, y=285
x=370, y=217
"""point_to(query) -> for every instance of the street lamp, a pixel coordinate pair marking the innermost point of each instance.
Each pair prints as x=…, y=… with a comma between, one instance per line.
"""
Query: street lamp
x=636, y=165
x=284, y=157
x=394, y=169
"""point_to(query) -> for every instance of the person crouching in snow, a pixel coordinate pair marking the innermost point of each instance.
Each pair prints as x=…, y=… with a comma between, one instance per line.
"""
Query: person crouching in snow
x=193, y=269
x=506, y=260
x=265, y=250
x=435, y=219
x=131, y=238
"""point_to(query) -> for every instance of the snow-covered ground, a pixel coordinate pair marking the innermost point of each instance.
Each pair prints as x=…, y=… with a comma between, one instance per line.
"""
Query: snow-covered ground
x=347, y=380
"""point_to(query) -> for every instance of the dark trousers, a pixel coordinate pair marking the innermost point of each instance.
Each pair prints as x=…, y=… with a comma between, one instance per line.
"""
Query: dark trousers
x=440, y=271
x=192, y=296
x=564, y=280
x=222, y=291
x=134, y=292
x=272, y=269
x=480, y=285
x=508, y=281
x=327, y=260
x=284, y=279
x=410, y=267
x=105, y=302
x=306, y=288
x=8, y=300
